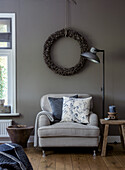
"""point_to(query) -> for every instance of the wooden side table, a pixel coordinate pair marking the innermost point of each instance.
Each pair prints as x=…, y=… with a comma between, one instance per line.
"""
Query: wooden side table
x=121, y=124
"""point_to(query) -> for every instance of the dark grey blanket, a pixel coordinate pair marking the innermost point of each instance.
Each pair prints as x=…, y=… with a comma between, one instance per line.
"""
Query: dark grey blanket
x=13, y=157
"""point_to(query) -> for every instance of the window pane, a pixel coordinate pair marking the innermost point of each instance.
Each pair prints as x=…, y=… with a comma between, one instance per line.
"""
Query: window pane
x=3, y=44
x=5, y=33
x=5, y=25
x=4, y=78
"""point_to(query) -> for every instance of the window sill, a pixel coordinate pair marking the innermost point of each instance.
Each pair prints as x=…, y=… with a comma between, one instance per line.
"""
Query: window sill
x=9, y=114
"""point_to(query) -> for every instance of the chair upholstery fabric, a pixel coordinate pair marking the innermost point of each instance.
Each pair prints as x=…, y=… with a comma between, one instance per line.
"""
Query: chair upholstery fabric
x=67, y=134
x=69, y=129
x=68, y=142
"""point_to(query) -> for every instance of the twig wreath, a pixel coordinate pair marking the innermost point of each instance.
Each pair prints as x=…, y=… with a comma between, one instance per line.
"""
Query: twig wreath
x=47, y=51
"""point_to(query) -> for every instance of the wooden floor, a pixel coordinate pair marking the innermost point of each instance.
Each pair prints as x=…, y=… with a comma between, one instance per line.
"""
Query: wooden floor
x=82, y=159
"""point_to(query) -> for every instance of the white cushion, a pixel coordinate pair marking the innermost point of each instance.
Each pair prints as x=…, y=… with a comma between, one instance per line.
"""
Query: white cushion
x=76, y=109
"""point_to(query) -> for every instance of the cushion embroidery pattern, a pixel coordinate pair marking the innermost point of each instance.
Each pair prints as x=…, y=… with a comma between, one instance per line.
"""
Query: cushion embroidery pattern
x=67, y=114
x=76, y=110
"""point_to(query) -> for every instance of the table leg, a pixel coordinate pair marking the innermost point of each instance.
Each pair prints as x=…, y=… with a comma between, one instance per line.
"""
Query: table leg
x=105, y=140
x=123, y=135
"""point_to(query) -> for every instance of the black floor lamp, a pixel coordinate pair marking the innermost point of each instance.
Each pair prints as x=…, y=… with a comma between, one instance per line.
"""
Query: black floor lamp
x=94, y=58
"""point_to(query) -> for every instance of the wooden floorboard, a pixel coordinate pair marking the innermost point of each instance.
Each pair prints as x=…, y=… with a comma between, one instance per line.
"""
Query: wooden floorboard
x=81, y=159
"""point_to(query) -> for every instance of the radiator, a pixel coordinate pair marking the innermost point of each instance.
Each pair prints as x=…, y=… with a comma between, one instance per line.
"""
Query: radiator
x=3, y=125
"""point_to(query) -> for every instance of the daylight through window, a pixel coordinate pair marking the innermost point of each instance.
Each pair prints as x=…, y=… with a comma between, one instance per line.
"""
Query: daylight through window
x=8, y=60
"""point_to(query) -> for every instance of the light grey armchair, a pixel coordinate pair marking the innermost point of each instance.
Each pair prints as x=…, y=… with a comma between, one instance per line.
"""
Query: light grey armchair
x=65, y=134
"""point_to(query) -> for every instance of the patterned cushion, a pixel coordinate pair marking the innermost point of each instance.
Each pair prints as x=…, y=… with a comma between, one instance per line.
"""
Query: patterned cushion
x=76, y=109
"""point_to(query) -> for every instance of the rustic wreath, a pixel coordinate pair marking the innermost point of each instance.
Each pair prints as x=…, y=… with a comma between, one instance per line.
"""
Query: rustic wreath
x=47, y=51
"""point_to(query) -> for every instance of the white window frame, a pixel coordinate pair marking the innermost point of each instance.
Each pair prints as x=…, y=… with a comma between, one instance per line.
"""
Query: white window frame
x=11, y=53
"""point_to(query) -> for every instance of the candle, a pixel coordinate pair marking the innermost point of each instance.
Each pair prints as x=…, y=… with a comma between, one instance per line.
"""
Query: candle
x=112, y=109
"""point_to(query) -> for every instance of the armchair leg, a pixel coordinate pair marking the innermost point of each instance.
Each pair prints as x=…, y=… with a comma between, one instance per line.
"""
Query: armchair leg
x=95, y=150
x=44, y=155
x=94, y=153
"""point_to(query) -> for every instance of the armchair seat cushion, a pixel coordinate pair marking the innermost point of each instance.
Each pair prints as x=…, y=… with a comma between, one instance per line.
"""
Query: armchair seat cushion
x=68, y=129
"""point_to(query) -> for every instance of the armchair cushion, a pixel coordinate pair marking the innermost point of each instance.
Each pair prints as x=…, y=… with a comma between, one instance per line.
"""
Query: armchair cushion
x=56, y=105
x=68, y=129
x=76, y=110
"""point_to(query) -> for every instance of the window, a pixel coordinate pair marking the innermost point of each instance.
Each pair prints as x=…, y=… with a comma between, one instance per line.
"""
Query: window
x=8, y=60
x=5, y=33
x=4, y=78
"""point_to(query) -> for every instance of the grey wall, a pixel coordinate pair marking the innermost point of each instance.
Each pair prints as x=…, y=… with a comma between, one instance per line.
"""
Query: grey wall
x=101, y=23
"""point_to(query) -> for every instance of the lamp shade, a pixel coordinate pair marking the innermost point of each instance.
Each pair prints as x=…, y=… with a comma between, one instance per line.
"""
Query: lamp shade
x=91, y=56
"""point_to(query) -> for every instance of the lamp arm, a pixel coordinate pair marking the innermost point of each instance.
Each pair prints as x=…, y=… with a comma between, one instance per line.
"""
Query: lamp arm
x=97, y=50
x=103, y=85
x=103, y=88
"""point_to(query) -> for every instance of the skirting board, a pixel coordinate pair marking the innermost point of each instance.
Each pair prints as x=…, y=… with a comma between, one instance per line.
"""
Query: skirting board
x=7, y=139
x=111, y=139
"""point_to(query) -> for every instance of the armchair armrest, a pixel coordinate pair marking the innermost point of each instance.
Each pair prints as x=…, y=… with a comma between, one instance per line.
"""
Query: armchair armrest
x=93, y=119
x=43, y=121
x=43, y=118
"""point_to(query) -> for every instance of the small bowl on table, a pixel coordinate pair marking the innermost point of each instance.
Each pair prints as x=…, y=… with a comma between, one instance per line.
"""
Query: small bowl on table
x=112, y=115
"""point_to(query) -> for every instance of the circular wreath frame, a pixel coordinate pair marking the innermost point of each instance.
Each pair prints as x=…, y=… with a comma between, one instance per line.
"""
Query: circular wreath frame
x=47, y=51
